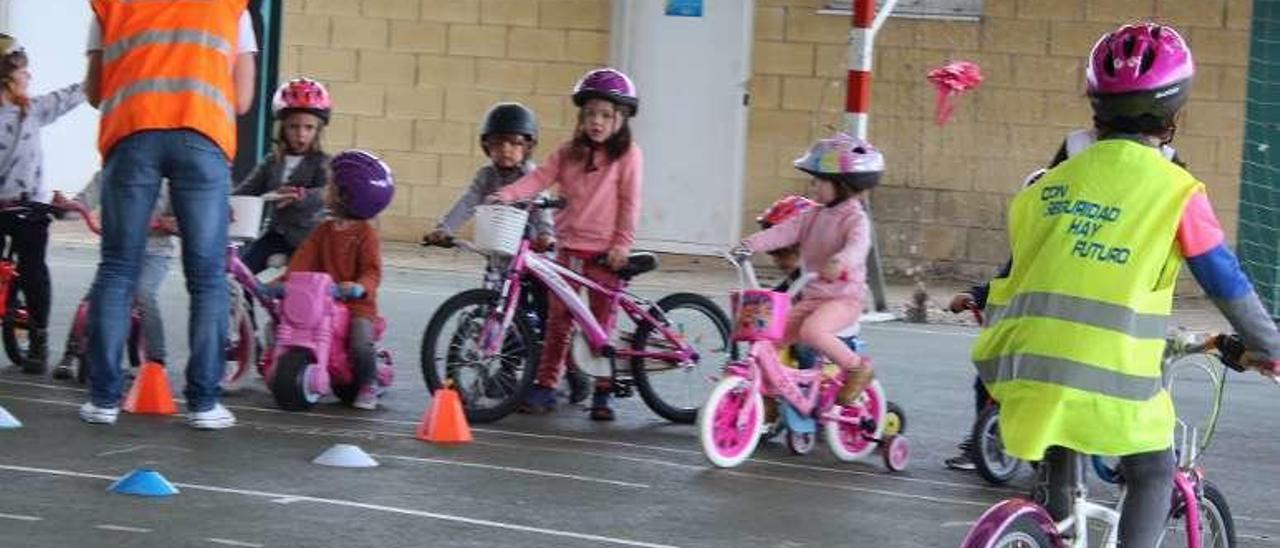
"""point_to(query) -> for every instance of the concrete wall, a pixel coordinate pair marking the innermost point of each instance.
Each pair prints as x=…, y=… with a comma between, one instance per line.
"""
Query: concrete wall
x=412, y=78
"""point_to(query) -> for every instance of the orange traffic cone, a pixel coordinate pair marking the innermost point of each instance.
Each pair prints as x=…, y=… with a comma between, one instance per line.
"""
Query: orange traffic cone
x=444, y=421
x=150, y=394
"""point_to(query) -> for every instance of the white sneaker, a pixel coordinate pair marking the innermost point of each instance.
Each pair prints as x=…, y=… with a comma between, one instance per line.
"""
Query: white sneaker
x=93, y=414
x=214, y=419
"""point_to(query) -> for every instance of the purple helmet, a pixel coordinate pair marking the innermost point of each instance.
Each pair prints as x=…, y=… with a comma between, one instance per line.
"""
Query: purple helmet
x=364, y=183
x=1139, y=70
x=610, y=85
x=843, y=160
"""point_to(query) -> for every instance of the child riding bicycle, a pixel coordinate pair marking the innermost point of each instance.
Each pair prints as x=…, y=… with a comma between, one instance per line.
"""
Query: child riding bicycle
x=599, y=172
x=1075, y=333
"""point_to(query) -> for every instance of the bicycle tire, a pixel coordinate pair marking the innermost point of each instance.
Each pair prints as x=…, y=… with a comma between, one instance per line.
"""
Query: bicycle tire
x=1215, y=518
x=1020, y=532
x=479, y=405
x=656, y=397
x=987, y=451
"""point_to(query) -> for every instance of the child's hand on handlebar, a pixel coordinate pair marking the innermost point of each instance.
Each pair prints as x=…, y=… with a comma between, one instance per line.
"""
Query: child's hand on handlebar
x=961, y=302
x=543, y=243
x=617, y=258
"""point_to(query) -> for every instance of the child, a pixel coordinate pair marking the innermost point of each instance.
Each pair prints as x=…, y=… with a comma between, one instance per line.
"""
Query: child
x=294, y=172
x=508, y=137
x=1074, y=338
x=786, y=259
x=347, y=247
x=162, y=247
x=834, y=241
x=599, y=174
x=976, y=297
x=21, y=180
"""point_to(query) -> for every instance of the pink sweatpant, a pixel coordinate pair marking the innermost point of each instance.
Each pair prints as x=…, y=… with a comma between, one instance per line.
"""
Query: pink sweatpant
x=555, y=346
x=816, y=322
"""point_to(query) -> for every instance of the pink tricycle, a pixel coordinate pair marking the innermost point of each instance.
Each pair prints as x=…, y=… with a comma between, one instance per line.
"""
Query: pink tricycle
x=310, y=346
x=731, y=423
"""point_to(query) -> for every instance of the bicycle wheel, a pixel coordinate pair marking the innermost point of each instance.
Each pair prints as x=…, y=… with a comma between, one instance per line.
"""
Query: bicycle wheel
x=673, y=391
x=987, y=450
x=16, y=331
x=1013, y=523
x=490, y=388
x=729, y=427
x=1217, y=528
x=242, y=339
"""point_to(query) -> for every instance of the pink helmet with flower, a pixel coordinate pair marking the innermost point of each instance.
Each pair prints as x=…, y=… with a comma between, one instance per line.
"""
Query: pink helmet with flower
x=608, y=84
x=844, y=160
x=784, y=209
x=302, y=95
x=1140, y=75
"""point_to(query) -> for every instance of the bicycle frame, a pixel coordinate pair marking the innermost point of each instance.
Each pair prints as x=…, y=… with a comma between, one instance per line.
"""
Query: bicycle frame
x=558, y=279
x=240, y=272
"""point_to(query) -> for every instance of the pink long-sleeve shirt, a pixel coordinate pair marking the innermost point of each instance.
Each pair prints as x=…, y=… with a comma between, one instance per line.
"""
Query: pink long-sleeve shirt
x=842, y=232
x=603, y=204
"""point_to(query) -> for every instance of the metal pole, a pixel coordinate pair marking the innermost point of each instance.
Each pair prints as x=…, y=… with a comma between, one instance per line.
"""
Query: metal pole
x=862, y=34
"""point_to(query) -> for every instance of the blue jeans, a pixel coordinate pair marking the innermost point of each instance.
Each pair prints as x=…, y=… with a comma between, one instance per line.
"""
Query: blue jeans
x=147, y=295
x=199, y=183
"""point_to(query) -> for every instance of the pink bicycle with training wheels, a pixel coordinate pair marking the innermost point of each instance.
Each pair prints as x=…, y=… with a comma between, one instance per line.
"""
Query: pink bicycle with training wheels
x=732, y=421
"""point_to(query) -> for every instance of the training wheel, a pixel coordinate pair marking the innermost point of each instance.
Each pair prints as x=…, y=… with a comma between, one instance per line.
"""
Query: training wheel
x=801, y=443
x=896, y=453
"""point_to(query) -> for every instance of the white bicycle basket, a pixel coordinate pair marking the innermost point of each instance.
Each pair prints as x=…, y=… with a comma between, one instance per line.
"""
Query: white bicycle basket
x=500, y=228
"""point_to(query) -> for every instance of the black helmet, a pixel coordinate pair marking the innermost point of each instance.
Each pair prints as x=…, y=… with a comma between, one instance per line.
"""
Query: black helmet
x=512, y=118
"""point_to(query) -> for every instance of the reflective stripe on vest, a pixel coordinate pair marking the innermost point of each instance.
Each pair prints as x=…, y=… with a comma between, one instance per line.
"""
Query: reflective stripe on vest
x=168, y=85
x=1068, y=373
x=181, y=36
x=1081, y=310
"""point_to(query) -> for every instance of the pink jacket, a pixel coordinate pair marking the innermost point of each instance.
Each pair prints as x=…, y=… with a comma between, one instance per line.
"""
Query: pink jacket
x=825, y=232
x=603, y=205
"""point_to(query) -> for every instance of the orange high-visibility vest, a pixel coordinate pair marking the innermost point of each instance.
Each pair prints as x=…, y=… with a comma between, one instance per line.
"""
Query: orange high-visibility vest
x=166, y=64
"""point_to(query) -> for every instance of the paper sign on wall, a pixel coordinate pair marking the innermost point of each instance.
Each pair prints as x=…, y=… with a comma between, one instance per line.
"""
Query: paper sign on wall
x=684, y=8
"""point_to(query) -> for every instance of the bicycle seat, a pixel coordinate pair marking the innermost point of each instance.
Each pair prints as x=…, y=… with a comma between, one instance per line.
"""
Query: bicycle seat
x=637, y=264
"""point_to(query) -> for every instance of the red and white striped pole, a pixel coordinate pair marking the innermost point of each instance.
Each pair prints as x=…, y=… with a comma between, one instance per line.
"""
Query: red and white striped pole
x=857, y=103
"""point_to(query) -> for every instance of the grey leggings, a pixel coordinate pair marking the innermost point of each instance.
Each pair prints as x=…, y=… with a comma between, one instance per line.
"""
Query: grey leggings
x=1148, y=486
x=360, y=347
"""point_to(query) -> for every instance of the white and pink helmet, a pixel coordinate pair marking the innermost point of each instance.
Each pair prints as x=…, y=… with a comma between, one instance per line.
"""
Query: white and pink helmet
x=1139, y=74
x=844, y=160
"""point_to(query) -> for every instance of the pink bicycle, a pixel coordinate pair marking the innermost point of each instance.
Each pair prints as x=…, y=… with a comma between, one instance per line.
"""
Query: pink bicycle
x=1200, y=516
x=732, y=420
x=485, y=340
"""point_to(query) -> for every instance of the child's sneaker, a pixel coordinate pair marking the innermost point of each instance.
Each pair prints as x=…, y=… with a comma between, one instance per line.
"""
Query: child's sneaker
x=93, y=414
x=367, y=397
x=963, y=461
x=214, y=419
x=541, y=400
x=600, y=410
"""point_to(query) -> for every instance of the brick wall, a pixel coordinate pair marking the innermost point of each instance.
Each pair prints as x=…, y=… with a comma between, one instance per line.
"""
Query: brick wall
x=411, y=80
x=942, y=206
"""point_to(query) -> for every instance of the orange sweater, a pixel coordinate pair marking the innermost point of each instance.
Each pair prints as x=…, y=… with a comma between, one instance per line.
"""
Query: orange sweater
x=352, y=253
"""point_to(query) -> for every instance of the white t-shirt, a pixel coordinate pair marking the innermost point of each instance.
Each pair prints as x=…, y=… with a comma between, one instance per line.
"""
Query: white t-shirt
x=291, y=162
x=247, y=42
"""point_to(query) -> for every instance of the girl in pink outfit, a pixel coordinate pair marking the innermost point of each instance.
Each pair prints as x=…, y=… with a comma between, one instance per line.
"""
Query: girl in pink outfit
x=599, y=174
x=834, y=241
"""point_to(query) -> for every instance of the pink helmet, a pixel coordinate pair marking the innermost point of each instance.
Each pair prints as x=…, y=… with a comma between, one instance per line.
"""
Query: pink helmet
x=844, y=160
x=302, y=95
x=1139, y=70
x=364, y=182
x=608, y=84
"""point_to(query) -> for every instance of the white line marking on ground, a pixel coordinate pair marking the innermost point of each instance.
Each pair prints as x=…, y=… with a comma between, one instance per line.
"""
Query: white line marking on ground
x=916, y=330
x=957, y=523
x=17, y=517
x=882, y=492
x=1263, y=538
x=361, y=505
x=514, y=470
x=287, y=500
x=128, y=449
x=123, y=528
x=317, y=431
x=229, y=542
x=1264, y=520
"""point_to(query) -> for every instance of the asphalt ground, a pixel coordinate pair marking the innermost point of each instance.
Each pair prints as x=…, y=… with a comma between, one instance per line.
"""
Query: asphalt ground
x=557, y=480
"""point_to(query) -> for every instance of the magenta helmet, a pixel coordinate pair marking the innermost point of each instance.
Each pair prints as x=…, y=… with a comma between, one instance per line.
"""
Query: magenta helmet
x=1140, y=74
x=610, y=85
x=364, y=183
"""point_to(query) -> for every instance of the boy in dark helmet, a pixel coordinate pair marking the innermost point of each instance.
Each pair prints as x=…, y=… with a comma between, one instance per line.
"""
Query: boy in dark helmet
x=508, y=136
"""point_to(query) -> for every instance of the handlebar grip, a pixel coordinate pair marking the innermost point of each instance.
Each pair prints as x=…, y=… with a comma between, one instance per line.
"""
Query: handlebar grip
x=1231, y=348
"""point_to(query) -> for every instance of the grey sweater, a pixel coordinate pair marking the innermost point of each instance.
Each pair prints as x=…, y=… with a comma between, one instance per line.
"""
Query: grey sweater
x=488, y=180
x=297, y=221
x=21, y=157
